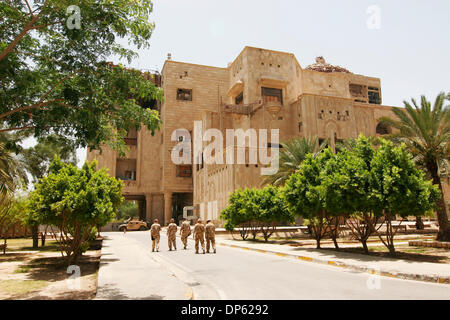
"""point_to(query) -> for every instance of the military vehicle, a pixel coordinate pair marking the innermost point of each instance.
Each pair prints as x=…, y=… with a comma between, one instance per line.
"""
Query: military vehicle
x=134, y=225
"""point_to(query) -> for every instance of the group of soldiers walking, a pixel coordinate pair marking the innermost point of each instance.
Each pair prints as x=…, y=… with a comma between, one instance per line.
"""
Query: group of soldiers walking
x=201, y=232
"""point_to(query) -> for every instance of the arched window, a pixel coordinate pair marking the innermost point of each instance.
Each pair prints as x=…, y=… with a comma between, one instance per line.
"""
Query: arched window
x=383, y=129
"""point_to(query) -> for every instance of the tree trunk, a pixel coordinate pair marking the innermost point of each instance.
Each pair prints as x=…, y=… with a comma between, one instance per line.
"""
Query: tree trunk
x=335, y=232
x=43, y=237
x=441, y=211
x=364, y=244
x=335, y=243
x=419, y=224
x=391, y=248
x=317, y=243
x=35, y=236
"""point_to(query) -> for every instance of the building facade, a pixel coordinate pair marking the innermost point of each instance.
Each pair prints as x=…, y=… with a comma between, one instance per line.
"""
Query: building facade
x=260, y=89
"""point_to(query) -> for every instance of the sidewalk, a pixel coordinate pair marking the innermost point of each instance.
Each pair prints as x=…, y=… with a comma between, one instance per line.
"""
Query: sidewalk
x=128, y=271
x=403, y=269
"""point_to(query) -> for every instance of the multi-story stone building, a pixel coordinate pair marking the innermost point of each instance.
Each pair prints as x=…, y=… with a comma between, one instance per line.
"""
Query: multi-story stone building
x=260, y=89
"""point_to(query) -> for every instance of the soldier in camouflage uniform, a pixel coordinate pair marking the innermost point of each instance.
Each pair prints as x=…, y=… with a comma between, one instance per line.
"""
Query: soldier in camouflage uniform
x=185, y=232
x=210, y=234
x=172, y=234
x=199, y=235
x=155, y=234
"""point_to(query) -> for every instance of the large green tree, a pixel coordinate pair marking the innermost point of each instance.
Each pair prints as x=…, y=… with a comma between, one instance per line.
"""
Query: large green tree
x=241, y=212
x=271, y=210
x=54, y=74
x=425, y=129
x=348, y=189
x=305, y=196
x=292, y=154
x=75, y=201
x=257, y=210
x=39, y=157
x=398, y=187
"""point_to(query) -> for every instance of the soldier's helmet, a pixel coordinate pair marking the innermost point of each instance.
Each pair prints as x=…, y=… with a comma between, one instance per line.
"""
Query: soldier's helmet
x=208, y=221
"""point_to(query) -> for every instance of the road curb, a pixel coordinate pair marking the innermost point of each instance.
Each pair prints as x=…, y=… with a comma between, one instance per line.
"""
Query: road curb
x=392, y=274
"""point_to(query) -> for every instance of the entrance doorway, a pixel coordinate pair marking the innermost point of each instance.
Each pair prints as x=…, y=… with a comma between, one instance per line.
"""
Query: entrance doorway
x=179, y=201
x=140, y=204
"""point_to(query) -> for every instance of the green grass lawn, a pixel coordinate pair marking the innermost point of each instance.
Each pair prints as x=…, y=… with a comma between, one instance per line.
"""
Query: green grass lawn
x=26, y=244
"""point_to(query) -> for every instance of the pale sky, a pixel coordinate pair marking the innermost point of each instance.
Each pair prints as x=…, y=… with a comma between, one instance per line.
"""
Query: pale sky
x=409, y=52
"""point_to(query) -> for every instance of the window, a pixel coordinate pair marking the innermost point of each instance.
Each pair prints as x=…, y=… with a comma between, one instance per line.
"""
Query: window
x=184, y=94
x=239, y=99
x=126, y=169
x=272, y=95
x=374, y=95
x=356, y=90
x=184, y=171
x=131, y=138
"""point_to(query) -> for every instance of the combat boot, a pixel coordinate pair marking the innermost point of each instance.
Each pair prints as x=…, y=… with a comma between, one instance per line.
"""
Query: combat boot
x=214, y=250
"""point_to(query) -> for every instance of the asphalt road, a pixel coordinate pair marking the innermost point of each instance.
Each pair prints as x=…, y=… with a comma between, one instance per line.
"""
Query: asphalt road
x=241, y=275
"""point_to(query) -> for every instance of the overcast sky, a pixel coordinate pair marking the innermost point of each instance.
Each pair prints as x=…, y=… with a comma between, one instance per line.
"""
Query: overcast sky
x=409, y=51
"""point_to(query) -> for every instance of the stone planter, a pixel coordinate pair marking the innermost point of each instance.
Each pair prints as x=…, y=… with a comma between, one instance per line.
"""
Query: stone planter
x=95, y=244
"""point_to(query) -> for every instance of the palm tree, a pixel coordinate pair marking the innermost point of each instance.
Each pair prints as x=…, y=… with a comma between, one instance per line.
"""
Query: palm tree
x=292, y=154
x=426, y=132
x=12, y=166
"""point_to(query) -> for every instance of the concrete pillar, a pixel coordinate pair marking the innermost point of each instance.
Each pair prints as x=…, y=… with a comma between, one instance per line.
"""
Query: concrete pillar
x=148, y=207
x=167, y=207
x=141, y=210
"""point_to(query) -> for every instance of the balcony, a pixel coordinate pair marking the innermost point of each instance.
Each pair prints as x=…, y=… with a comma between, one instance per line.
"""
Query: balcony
x=244, y=109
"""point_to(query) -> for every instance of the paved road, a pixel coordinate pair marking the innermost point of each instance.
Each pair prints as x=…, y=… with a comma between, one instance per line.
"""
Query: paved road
x=238, y=274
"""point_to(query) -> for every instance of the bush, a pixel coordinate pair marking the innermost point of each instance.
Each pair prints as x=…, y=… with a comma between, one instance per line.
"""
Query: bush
x=256, y=210
x=75, y=200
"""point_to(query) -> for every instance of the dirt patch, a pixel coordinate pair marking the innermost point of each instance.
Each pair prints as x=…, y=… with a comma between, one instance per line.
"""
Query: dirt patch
x=44, y=275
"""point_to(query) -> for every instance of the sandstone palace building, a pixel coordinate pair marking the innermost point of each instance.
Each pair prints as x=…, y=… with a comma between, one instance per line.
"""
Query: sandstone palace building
x=260, y=89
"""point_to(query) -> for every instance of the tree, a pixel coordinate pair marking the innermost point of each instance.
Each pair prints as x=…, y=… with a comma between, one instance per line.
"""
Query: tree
x=346, y=180
x=12, y=165
x=271, y=210
x=12, y=212
x=37, y=160
x=54, y=74
x=39, y=157
x=75, y=201
x=292, y=154
x=240, y=212
x=425, y=130
x=398, y=188
x=304, y=194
